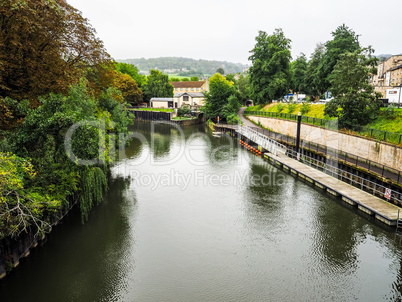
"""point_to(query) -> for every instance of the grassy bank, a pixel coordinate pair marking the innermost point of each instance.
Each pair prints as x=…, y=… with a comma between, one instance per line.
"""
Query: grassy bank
x=383, y=122
x=154, y=109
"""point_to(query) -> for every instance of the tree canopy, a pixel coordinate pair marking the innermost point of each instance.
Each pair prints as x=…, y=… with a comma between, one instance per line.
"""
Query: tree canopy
x=355, y=103
x=344, y=41
x=157, y=85
x=45, y=46
x=299, y=72
x=216, y=100
x=270, y=73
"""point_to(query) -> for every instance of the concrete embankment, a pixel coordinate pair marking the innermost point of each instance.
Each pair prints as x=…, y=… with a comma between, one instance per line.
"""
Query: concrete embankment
x=379, y=152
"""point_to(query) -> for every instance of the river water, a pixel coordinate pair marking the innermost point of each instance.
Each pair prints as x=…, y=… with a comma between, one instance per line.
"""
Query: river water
x=193, y=217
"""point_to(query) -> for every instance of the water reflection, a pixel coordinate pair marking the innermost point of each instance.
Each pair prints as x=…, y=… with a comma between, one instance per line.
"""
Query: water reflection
x=238, y=230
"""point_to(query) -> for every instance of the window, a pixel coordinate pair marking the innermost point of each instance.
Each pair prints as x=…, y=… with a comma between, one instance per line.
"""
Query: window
x=192, y=89
x=185, y=98
x=198, y=89
x=181, y=89
x=186, y=89
x=202, y=88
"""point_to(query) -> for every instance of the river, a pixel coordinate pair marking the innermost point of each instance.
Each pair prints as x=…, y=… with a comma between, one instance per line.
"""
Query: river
x=193, y=217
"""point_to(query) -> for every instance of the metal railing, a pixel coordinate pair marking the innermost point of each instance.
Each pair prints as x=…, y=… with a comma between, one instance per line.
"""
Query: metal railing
x=354, y=160
x=262, y=140
x=385, y=136
x=345, y=176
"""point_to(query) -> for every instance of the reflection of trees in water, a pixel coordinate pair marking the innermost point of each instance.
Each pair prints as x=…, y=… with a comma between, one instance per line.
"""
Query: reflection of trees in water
x=104, y=275
x=264, y=195
x=337, y=234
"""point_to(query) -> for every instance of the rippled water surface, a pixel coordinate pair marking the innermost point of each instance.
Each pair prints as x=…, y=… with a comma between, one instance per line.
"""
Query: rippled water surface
x=192, y=217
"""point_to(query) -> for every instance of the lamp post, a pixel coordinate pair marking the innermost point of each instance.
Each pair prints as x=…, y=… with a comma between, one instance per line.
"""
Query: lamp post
x=299, y=118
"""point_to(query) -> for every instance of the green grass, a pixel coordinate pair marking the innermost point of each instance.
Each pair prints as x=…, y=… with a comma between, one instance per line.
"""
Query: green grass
x=388, y=124
x=381, y=124
x=155, y=109
x=183, y=118
x=316, y=110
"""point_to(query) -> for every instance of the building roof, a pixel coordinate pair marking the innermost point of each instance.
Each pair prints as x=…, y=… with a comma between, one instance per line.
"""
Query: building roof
x=396, y=67
x=188, y=84
x=193, y=95
x=161, y=100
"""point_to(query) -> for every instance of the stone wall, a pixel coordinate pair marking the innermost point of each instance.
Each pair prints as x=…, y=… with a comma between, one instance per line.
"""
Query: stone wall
x=382, y=153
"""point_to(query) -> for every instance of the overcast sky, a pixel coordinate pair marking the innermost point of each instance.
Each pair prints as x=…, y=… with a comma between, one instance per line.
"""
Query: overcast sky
x=225, y=30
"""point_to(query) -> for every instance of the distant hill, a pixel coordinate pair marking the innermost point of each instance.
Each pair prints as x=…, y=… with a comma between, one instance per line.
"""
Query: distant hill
x=383, y=57
x=184, y=66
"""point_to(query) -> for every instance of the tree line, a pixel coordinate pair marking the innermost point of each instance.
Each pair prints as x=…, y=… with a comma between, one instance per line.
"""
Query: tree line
x=340, y=66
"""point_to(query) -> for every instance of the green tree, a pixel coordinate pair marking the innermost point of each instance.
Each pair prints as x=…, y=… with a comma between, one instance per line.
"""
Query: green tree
x=270, y=73
x=220, y=70
x=132, y=71
x=244, y=87
x=195, y=79
x=355, y=103
x=299, y=71
x=313, y=83
x=216, y=100
x=45, y=46
x=344, y=41
x=128, y=88
x=157, y=85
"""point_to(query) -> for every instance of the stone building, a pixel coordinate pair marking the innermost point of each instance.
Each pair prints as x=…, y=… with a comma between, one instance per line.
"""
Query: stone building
x=389, y=75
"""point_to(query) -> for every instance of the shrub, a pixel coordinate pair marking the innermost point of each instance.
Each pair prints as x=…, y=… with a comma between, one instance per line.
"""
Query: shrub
x=305, y=108
x=280, y=107
x=390, y=112
x=233, y=119
x=182, y=111
x=291, y=107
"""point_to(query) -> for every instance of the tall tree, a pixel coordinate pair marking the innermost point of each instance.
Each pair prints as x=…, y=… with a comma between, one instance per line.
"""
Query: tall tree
x=44, y=47
x=270, y=74
x=313, y=83
x=129, y=89
x=299, y=71
x=132, y=71
x=353, y=94
x=216, y=100
x=157, y=85
x=344, y=41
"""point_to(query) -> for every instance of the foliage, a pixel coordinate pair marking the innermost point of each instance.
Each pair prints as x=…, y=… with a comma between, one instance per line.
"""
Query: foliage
x=280, y=107
x=312, y=80
x=196, y=79
x=217, y=98
x=94, y=184
x=233, y=119
x=305, y=108
x=254, y=108
x=270, y=74
x=44, y=137
x=157, y=85
x=12, y=112
x=390, y=112
x=344, y=41
x=232, y=107
x=129, y=89
x=175, y=63
x=21, y=208
x=355, y=103
x=244, y=87
x=299, y=70
x=291, y=107
x=132, y=71
x=220, y=70
x=45, y=47
x=184, y=110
